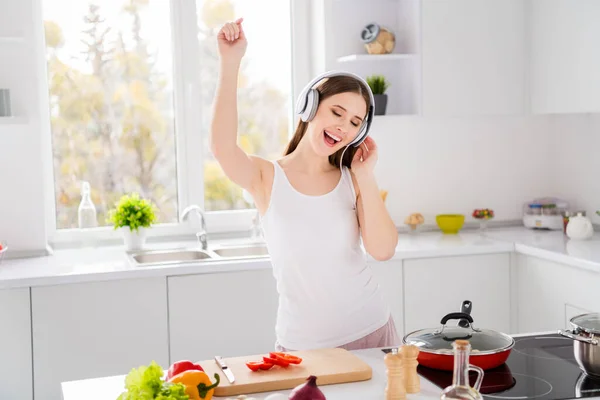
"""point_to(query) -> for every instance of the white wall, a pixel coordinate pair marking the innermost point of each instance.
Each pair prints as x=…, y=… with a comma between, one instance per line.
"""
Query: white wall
x=576, y=161
x=454, y=165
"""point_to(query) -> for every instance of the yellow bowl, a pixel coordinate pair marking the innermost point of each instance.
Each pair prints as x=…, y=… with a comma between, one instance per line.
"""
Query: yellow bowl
x=450, y=223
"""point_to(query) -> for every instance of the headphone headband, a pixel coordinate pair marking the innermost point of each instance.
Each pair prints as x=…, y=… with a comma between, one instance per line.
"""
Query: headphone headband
x=308, y=102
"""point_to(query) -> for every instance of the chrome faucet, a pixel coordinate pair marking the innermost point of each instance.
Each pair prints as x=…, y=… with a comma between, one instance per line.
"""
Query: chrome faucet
x=201, y=235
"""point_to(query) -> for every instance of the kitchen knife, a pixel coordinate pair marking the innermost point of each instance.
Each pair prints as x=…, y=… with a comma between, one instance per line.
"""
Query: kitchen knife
x=225, y=369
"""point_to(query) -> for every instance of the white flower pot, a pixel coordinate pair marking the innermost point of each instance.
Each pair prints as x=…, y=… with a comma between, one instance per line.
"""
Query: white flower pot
x=134, y=240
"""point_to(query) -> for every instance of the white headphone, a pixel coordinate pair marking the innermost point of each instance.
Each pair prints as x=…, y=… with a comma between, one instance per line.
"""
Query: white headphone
x=308, y=102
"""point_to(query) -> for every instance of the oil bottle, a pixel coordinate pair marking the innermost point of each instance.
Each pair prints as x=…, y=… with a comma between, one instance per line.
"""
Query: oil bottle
x=460, y=388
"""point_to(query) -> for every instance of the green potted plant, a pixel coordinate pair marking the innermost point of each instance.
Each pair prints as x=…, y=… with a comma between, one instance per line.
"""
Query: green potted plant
x=133, y=215
x=379, y=85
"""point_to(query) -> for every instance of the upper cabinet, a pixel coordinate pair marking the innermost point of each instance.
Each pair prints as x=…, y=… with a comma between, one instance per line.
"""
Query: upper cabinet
x=473, y=55
x=468, y=57
x=565, y=56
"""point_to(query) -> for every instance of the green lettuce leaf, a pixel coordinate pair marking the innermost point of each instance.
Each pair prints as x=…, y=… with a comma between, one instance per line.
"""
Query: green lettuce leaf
x=145, y=383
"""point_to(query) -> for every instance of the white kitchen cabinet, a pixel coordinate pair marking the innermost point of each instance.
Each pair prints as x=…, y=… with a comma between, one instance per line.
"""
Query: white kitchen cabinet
x=474, y=57
x=15, y=345
x=389, y=276
x=434, y=287
x=565, y=57
x=227, y=314
x=549, y=294
x=88, y=330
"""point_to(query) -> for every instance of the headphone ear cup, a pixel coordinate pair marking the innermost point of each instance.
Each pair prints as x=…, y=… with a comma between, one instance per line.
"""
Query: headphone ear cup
x=364, y=129
x=359, y=137
x=312, y=103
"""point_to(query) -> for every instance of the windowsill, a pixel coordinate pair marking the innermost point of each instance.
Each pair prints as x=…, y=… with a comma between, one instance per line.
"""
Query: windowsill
x=190, y=239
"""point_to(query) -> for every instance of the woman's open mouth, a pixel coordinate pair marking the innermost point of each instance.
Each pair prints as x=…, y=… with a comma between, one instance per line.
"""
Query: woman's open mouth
x=330, y=139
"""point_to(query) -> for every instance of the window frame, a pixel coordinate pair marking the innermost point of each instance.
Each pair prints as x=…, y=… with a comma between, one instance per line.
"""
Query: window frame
x=189, y=148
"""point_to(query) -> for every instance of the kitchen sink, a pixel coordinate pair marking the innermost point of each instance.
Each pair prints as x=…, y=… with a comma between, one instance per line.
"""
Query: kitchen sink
x=197, y=255
x=253, y=250
x=174, y=256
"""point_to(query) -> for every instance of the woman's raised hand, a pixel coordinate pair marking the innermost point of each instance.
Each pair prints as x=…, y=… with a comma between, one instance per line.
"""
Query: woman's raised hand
x=232, y=41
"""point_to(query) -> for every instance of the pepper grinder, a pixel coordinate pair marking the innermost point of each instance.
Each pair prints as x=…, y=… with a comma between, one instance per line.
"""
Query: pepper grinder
x=395, y=379
x=412, y=382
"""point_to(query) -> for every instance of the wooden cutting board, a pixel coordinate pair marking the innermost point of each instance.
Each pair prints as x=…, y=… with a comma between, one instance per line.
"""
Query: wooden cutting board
x=328, y=365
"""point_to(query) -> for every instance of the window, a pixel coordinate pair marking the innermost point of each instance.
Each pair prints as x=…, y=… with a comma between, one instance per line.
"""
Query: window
x=265, y=86
x=111, y=104
x=131, y=86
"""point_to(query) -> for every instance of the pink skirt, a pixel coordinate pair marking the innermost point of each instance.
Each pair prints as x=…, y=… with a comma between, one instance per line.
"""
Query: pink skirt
x=386, y=336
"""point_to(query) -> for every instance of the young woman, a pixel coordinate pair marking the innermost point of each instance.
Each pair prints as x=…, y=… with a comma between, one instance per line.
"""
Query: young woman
x=316, y=204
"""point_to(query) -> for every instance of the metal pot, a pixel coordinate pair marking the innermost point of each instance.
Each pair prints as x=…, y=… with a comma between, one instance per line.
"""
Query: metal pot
x=490, y=348
x=586, y=333
x=587, y=386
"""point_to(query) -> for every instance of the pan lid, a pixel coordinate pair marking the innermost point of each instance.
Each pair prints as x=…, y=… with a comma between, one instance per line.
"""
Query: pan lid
x=589, y=322
x=440, y=340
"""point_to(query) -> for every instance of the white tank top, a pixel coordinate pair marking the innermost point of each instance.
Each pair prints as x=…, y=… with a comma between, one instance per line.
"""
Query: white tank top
x=328, y=295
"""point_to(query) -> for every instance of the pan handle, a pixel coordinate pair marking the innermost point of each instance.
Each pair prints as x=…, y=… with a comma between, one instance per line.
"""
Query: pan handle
x=574, y=336
x=456, y=315
x=466, y=308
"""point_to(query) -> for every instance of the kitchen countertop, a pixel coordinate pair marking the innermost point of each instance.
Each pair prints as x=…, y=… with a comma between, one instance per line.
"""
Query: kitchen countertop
x=374, y=388
x=108, y=263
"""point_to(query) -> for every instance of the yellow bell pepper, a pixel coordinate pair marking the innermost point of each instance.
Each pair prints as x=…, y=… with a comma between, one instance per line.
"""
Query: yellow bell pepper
x=197, y=384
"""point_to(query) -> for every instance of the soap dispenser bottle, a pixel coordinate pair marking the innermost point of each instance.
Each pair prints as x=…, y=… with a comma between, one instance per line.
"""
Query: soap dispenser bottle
x=87, y=211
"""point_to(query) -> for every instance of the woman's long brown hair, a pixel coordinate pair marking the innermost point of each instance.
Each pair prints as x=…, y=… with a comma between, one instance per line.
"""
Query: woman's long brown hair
x=332, y=86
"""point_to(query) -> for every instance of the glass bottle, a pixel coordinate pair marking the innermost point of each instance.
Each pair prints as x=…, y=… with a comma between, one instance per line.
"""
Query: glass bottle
x=87, y=210
x=460, y=388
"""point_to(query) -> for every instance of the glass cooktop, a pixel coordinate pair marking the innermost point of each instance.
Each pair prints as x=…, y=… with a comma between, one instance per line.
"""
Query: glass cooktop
x=539, y=367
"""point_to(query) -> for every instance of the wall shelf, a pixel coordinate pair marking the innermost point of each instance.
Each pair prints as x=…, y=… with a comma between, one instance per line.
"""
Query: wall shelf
x=339, y=24
x=376, y=57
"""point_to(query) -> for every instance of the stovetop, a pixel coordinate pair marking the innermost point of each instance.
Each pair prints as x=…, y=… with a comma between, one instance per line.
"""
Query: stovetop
x=540, y=367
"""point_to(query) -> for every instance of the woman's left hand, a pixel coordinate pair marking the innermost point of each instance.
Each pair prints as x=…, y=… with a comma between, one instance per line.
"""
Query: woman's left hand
x=365, y=157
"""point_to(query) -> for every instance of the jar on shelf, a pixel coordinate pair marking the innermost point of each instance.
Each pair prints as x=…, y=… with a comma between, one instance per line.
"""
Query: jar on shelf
x=377, y=39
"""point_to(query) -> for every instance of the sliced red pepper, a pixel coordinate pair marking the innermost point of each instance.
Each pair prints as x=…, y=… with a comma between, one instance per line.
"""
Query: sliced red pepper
x=277, y=361
x=292, y=359
x=254, y=365
x=265, y=366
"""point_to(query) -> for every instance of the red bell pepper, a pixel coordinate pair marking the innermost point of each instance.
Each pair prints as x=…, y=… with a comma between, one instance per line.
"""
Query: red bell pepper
x=181, y=366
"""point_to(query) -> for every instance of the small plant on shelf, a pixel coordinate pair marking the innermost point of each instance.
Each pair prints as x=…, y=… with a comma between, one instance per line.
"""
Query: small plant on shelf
x=378, y=84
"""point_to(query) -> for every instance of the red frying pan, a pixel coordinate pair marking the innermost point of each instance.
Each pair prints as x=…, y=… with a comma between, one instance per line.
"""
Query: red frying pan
x=490, y=348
